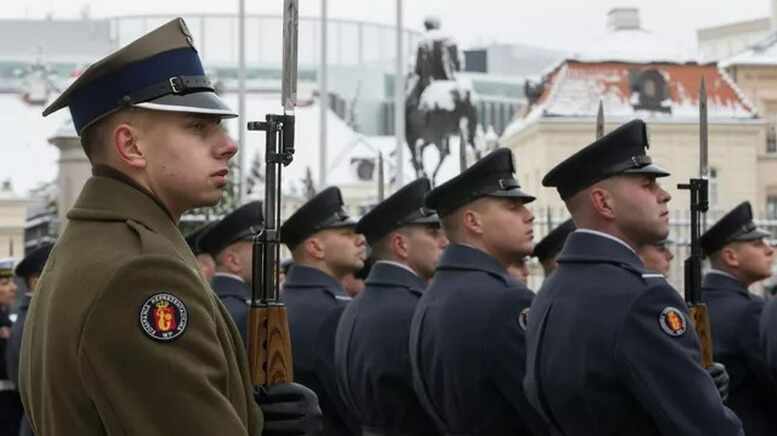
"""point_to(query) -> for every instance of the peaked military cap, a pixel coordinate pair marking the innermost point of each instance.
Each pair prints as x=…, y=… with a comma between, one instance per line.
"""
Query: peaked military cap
x=34, y=261
x=6, y=268
x=159, y=71
x=324, y=211
x=553, y=242
x=491, y=176
x=404, y=207
x=737, y=225
x=621, y=151
x=193, y=238
x=242, y=224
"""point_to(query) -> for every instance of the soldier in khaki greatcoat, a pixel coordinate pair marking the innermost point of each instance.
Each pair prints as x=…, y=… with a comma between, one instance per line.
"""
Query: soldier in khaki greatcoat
x=123, y=336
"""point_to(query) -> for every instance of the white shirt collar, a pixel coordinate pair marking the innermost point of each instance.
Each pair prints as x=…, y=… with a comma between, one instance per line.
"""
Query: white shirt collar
x=232, y=276
x=608, y=236
x=398, y=264
x=723, y=273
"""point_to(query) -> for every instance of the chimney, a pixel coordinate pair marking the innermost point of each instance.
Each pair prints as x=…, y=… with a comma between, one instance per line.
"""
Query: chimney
x=625, y=19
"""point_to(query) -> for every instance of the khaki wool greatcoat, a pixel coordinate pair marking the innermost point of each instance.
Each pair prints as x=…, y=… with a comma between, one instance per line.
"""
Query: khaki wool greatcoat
x=90, y=365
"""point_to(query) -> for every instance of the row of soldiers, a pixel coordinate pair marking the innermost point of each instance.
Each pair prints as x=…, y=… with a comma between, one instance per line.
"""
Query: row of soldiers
x=124, y=336
x=441, y=339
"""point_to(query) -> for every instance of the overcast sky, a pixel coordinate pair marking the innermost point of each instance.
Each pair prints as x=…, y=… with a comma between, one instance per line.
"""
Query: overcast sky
x=549, y=23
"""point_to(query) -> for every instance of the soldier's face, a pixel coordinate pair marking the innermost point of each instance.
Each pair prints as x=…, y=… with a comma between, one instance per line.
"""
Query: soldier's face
x=508, y=228
x=639, y=207
x=187, y=157
x=7, y=291
x=656, y=258
x=344, y=250
x=424, y=246
x=754, y=259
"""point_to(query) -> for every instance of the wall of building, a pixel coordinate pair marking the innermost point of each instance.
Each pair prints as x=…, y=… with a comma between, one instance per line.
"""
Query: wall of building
x=720, y=42
x=12, y=218
x=733, y=154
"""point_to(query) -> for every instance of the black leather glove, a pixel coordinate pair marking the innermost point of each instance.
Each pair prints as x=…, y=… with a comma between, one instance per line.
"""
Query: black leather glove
x=720, y=376
x=289, y=410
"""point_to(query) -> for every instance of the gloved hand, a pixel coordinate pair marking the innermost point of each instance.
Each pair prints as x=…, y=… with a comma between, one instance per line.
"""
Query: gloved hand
x=720, y=377
x=289, y=410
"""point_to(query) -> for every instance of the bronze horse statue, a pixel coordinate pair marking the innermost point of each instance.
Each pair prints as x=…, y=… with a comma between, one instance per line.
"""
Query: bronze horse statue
x=425, y=126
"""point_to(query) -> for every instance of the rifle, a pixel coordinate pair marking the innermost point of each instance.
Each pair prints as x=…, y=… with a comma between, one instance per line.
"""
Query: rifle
x=698, y=188
x=269, y=341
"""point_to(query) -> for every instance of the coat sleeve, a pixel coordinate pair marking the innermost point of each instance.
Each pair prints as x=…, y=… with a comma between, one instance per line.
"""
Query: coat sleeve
x=768, y=325
x=505, y=342
x=661, y=367
x=144, y=386
x=750, y=344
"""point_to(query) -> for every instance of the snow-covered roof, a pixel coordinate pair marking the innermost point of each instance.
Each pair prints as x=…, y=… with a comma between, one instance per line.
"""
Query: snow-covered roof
x=762, y=53
x=574, y=89
x=633, y=45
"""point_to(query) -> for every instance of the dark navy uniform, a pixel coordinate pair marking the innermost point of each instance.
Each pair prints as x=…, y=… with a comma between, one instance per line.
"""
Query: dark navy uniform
x=234, y=293
x=315, y=301
x=11, y=410
x=467, y=337
x=371, y=353
x=610, y=348
x=240, y=225
x=468, y=346
x=767, y=327
x=735, y=315
x=602, y=361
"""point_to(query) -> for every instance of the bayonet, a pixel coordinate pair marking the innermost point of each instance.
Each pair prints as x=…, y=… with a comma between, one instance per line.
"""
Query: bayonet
x=600, y=120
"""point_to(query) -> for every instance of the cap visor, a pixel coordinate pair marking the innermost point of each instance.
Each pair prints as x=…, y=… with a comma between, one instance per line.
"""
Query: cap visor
x=197, y=102
x=513, y=193
x=431, y=219
x=753, y=235
x=649, y=169
x=348, y=222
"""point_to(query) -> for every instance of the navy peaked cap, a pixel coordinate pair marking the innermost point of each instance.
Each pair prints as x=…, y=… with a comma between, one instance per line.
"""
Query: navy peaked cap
x=34, y=261
x=404, y=207
x=621, y=151
x=242, y=224
x=553, y=242
x=324, y=211
x=491, y=176
x=737, y=225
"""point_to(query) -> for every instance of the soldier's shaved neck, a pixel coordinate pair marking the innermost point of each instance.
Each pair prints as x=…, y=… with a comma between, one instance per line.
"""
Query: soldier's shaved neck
x=590, y=208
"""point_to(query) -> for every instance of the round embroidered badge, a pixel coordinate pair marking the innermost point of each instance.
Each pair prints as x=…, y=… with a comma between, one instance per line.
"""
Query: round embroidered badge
x=523, y=319
x=672, y=321
x=163, y=317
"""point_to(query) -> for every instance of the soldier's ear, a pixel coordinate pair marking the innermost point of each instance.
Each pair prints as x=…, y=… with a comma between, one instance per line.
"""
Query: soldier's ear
x=125, y=141
x=601, y=200
x=315, y=247
x=729, y=256
x=472, y=221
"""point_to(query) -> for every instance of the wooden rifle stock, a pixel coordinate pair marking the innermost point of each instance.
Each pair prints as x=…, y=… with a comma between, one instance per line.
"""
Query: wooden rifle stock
x=269, y=351
x=701, y=323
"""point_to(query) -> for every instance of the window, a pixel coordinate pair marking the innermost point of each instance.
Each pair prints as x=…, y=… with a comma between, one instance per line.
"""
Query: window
x=771, y=207
x=771, y=139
